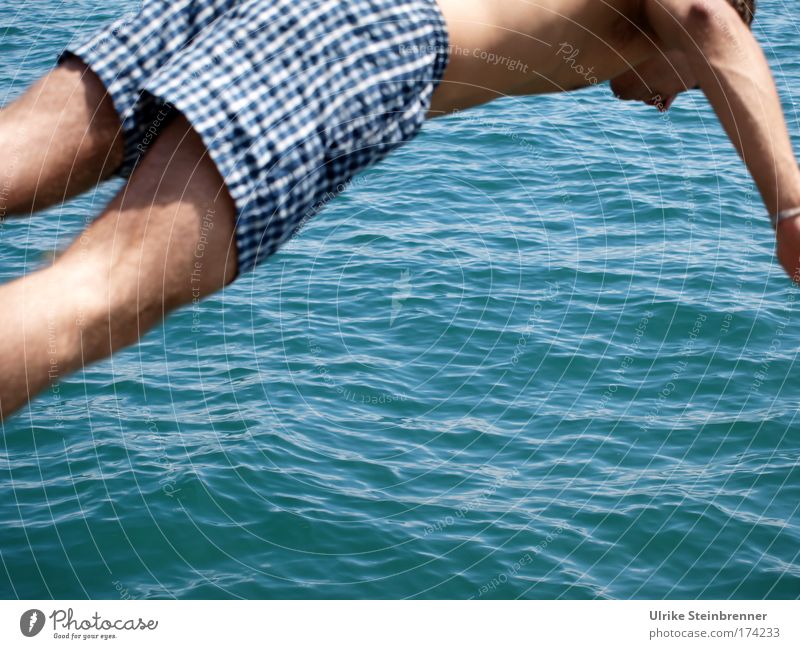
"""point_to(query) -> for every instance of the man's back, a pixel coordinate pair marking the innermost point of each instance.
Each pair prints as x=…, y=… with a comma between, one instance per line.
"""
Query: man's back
x=522, y=48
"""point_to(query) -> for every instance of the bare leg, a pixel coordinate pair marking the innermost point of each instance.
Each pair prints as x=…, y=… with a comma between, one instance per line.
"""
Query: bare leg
x=60, y=138
x=168, y=237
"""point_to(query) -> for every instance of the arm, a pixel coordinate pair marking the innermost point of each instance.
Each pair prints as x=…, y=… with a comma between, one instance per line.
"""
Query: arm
x=734, y=74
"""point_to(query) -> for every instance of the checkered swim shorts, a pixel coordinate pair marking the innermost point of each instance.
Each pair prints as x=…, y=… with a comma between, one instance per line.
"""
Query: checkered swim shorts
x=292, y=98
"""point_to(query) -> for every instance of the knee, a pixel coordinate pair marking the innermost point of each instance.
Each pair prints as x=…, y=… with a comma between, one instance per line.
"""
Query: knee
x=112, y=306
x=61, y=137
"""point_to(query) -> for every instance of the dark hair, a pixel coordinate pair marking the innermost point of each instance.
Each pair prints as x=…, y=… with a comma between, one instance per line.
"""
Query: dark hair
x=746, y=9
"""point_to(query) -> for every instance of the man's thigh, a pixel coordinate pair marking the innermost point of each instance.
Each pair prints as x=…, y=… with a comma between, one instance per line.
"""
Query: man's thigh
x=166, y=239
x=59, y=138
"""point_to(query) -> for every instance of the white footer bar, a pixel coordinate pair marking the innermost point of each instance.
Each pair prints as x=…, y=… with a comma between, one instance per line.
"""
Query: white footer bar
x=400, y=625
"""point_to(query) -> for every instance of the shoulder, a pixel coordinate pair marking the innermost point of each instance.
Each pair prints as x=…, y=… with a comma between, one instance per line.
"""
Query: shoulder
x=631, y=25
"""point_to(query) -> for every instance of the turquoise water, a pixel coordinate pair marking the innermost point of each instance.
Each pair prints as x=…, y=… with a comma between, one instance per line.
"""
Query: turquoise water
x=543, y=351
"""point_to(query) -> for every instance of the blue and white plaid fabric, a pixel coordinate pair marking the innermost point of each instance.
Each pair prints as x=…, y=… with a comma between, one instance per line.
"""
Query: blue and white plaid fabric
x=291, y=97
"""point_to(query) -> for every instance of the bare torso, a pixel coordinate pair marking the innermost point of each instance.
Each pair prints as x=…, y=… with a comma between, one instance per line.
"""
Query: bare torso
x=516, y=47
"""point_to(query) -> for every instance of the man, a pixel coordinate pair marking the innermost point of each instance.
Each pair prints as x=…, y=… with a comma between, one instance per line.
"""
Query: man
x=230, y=118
